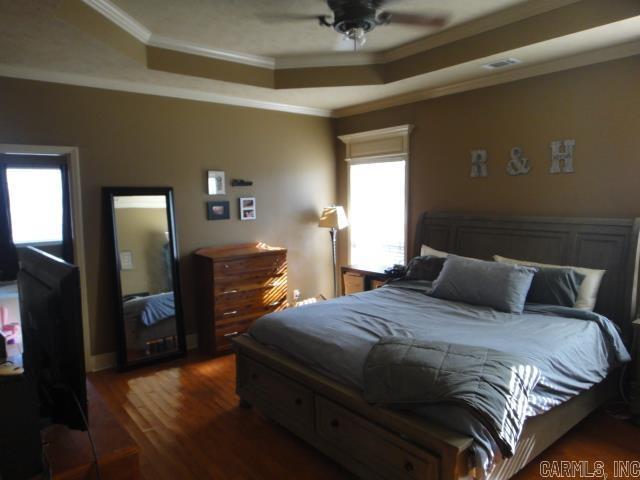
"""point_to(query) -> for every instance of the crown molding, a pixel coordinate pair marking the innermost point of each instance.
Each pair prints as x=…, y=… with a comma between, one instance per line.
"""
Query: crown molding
x=133, y=27
x=473, y=27
x=593, y=57
x=398, y=131
x=343, y=59
x=196, y=49
x=151, y=89
x=121, y=18
x=383, y=144
x=566, y=63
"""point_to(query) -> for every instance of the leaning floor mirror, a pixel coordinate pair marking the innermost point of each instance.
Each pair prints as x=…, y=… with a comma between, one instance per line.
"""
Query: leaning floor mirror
x=146, y=282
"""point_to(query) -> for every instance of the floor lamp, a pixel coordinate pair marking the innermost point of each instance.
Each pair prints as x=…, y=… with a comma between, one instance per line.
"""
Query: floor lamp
x=333, y=218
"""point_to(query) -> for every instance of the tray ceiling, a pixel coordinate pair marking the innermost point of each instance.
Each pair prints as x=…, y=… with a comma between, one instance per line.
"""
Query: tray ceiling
x=38, y=41
x=255, y=27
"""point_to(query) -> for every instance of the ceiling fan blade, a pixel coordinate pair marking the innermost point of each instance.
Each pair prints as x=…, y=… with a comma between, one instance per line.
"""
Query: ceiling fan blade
x=417, y=19
x=382, y=3
x=287, y=17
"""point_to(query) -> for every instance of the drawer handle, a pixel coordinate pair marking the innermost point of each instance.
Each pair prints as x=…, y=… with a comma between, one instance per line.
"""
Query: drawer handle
x=335, y=423
x=408, y=466
x=254, y=376
x=235, y=290
x=232, y=334
x=232, y=312
x=226, y=265
x=298, y=401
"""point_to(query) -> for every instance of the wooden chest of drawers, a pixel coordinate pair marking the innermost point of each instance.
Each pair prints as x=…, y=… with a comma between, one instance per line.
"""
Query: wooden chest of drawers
x=236, y=285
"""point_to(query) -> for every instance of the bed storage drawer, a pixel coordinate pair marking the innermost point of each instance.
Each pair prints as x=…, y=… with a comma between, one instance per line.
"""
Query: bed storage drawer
x=379, y=450
x=279, y=397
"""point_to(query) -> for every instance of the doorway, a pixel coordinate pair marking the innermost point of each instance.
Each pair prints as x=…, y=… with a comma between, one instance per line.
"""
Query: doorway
x=35, y=211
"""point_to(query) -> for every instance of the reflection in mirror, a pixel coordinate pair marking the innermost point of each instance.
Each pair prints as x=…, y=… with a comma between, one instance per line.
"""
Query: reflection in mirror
x=145, y=265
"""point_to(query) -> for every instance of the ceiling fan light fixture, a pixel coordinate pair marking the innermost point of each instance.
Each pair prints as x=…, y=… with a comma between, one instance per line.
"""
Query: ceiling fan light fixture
x=357, y=36
x=353, y=19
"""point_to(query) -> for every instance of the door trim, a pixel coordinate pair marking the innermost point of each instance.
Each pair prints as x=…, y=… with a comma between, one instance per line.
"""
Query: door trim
x=77, y=224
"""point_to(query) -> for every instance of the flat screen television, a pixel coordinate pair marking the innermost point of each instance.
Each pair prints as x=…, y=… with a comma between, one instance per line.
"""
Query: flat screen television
x=51, y=318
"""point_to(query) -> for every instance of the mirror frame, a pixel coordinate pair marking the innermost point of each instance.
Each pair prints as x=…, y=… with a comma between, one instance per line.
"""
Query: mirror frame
x=108, y=197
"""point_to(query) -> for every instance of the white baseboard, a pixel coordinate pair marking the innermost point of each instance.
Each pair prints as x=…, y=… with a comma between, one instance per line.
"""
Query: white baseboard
x=102, y=361
x=108, y=360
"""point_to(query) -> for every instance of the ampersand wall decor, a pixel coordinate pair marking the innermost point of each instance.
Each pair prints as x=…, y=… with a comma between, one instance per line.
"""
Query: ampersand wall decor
x=518, y=165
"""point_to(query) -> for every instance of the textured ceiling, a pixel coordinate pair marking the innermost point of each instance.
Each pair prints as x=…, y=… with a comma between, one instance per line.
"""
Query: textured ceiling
x=32, y=37
x=253, y=27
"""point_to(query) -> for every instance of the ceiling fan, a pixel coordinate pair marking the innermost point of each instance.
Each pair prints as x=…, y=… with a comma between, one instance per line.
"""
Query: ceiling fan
x=353, y=19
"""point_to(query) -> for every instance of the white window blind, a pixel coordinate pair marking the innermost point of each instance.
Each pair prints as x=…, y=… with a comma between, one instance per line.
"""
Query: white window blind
x=377, y=202
x=35, y=199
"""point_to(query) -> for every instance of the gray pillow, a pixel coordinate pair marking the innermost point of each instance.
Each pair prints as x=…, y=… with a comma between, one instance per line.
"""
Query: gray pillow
x=497, y=285
x=555, y=286
x=426, y=267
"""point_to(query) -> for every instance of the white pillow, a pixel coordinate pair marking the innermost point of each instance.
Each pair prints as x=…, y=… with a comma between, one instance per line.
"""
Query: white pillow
x=426, y=250
x=588, y=291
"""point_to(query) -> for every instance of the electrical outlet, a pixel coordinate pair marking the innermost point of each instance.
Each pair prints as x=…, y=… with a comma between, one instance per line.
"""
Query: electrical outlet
x=296, y=294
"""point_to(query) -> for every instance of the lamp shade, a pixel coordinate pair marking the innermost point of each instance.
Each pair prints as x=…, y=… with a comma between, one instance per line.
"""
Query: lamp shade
x=333, y=217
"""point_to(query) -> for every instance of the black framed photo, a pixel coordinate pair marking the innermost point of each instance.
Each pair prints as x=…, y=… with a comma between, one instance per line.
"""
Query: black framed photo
x=218, y=210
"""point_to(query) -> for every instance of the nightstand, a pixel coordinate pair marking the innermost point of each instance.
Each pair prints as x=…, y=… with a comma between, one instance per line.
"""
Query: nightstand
x=359, y=279
x=635, y=372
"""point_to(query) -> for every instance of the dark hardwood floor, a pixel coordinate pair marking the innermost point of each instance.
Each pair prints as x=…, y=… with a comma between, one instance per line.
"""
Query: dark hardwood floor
x=185, y=417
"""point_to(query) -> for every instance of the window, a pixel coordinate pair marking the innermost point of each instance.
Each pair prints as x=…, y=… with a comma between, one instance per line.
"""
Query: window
x=35, y=199
x=377, y=204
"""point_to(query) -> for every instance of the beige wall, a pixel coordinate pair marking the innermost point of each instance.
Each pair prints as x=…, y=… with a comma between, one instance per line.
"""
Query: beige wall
x=598, y=105
x=141, y=231
x=129, y=139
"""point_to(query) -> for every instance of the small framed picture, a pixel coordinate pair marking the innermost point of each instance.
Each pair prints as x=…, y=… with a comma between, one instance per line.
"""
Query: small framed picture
x=126, y=260
x=247, y=208
x=215, y=183
x=218, y=210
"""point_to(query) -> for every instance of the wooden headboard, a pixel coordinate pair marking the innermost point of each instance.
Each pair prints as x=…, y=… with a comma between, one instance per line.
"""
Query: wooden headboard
x=603, y=243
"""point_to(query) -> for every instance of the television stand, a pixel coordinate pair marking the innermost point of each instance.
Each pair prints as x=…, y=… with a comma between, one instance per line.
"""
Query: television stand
x=20, y=446
x=69, y=454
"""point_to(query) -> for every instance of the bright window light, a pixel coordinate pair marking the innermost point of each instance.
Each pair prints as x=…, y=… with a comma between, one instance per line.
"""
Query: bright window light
x=377, y=213
x=35, y=198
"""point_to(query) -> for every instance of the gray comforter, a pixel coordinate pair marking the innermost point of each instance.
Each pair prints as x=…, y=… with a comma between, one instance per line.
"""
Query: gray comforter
x=150, y=309
x=573, y=350
x=401, y=372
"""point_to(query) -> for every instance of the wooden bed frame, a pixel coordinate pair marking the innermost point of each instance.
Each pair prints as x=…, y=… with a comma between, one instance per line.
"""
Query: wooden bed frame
x=375, y=442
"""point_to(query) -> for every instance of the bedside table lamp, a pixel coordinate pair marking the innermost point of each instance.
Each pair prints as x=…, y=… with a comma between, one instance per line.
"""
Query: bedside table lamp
x=333, y=218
